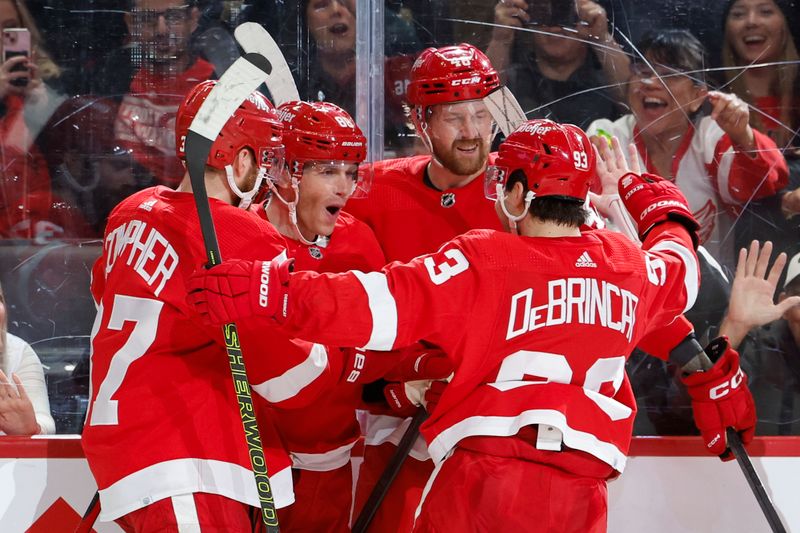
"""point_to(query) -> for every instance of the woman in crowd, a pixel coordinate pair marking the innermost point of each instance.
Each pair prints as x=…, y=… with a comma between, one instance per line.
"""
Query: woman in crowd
x=718, y=160
x=760, y=57
x=24, y=406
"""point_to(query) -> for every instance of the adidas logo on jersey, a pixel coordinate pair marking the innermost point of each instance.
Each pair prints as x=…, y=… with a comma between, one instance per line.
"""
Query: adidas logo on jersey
x=148, y=205
x=585, y=261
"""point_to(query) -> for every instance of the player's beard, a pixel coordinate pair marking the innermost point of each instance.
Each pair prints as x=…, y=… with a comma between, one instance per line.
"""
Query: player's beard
x=461, y=164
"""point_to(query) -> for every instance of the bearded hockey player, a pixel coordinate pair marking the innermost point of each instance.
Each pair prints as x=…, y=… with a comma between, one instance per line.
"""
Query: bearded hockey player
x=538, y=322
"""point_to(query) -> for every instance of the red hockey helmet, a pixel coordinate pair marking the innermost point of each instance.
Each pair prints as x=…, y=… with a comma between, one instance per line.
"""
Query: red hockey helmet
x=557, y=159
x=451, y=74
x=254, y=125
x=321, y=131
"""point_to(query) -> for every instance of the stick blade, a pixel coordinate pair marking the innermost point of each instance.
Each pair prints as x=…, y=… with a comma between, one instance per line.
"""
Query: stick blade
x=253, y=38
x=233, y=88
x=505, y=110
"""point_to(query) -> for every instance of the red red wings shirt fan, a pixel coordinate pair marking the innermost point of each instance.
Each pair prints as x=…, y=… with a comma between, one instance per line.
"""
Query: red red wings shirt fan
x=163, y=419
x=539, y=329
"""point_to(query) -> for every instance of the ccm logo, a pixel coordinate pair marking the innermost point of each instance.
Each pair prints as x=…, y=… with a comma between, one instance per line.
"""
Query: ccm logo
x=465, y=81
x=722, y=390
x=263, y=289
x=662, y=203
x=358, y=365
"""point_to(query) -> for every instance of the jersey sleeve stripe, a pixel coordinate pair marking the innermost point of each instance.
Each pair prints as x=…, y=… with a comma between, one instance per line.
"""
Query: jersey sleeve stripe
x=692, y=277
x=383, y=309
x=726, y=158
x=294, y=380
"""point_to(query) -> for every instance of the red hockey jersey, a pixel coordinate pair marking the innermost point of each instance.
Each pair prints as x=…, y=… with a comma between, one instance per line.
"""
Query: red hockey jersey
x=163, y=418
x=321, y=436
x=410, y=218
x=538, y=328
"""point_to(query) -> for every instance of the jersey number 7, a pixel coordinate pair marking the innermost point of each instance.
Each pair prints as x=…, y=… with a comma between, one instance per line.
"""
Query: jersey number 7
x=144, y=313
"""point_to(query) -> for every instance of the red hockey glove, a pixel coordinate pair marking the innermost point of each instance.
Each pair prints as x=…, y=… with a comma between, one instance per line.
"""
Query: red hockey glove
x=420, y=361
x=434, y=394
x=651, y=199
x=721, y=399
x=238, y=289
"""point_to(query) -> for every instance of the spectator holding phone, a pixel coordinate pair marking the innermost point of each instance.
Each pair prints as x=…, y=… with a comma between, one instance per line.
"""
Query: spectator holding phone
x=553, y=67
x=25, y=197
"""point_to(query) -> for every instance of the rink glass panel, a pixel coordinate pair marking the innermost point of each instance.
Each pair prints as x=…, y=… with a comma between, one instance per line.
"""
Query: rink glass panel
x=104, y=130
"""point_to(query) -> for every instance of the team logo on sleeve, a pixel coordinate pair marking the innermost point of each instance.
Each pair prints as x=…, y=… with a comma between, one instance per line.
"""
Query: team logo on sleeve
x=448, y=199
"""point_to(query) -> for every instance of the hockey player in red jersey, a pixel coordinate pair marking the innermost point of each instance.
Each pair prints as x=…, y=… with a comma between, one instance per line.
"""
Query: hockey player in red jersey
x=539, y=412
x=417, y=203
x=323, y=148
x=163, y=435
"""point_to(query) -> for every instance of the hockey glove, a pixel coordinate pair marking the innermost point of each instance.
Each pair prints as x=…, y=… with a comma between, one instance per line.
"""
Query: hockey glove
x=411, y=378
x=404, y=398
x=651, y=199
x=420, y=361
x=721, y=399
x=238, y=289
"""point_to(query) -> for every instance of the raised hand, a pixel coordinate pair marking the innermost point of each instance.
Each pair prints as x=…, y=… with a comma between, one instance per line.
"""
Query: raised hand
x=17, y=416
x=509, y=15
x=732, y=115
x=595, y=21
x=611, y=162
x=751, y=304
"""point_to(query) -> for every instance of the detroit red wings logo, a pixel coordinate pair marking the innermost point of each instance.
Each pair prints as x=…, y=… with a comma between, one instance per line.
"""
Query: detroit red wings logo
x=706, y=217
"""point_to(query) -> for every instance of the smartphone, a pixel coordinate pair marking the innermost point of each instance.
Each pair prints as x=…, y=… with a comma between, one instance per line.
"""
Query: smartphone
x=560, y=13
x=17, y=42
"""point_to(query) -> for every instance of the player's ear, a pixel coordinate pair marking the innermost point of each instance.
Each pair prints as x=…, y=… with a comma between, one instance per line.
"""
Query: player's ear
x=244, y=162
x=516, y=197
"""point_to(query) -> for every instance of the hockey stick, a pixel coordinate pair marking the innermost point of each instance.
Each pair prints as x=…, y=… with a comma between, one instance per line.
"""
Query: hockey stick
x=253, y=38
x=90, y=516
x=764, y=501
x=242, y=78
x=233, y=88
x=505, y=110
x=743, y=458
x=392, y=469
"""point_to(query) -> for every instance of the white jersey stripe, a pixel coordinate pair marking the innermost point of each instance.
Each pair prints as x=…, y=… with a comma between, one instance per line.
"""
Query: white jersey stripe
x=692, y=268
x=505, y=426
x=724, y=170
x=436, y=469
x=183, y=476
x=383, y=309
x=323, y=462
x=185, y=513
x=294, y=380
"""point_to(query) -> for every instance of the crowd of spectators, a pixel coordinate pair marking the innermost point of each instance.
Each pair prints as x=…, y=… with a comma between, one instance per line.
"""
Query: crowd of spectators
x=709, y=94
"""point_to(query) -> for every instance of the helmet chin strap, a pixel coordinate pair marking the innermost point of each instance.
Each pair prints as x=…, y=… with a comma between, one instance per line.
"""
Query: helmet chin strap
x=292, y=207
x=245, y=198
x=513, y=219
